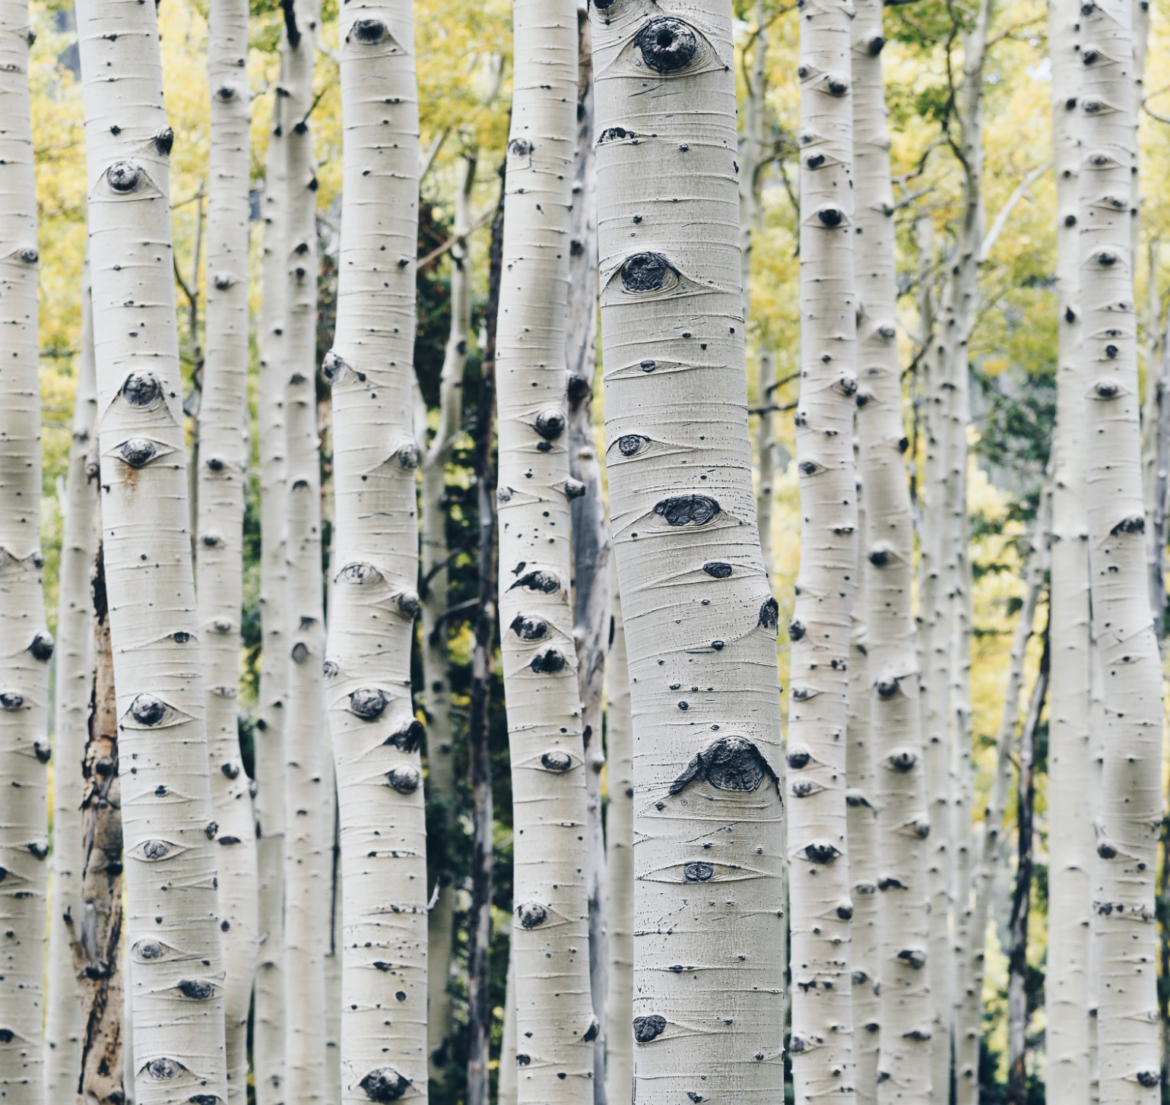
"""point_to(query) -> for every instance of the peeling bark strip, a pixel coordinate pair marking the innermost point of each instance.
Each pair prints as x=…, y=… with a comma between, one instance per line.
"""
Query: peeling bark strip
x=166, y=798
x=550, y=939
x=1127, y=829
x=374, y=599
x=224, y=458
x=25, y=644
x=819, y=888
x=689, y=560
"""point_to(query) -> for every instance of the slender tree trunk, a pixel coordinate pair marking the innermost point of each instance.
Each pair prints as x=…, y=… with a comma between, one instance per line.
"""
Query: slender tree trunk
x=479, y=920
x=25, y=643
x=98, y=1077
x=269, y=1016
x=819, y=889
x=74, y=683
x=174, y=938
x=590, y=528
x=507, y=1078
x=224, y=460
x=373, y=600
x=1022, y=894
x=1127, y=830
x=704, y=687
x=619, y=824
x=1096, y=783
x=1164, y=953
x=554, y=1018
x=1160, y=481
x=1070, y=836
x=333, y=954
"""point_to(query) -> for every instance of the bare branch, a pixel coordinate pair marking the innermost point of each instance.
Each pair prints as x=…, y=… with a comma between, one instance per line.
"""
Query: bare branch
x=438, y=252
x=428, y=158
x=1005, y=212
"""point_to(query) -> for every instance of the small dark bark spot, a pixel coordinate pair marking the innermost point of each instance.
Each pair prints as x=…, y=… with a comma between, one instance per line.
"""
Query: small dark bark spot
x=913, y=957
x=574, y=489
x=10, y=700
x=592, y=1031
x=521, y=1059
x=300, y=652
x=332, y=366
x=164, y=141
x=820, y=852
x=902, y=759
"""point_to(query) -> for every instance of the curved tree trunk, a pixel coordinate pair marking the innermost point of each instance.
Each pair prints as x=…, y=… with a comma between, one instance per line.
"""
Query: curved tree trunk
x=1127, y=829
x=704, y=687
x=819, y=887
x=74, y=684
x=224, y=460
x=554, y=1018
x=373, y=596
x=174, y=938
x=25, y=644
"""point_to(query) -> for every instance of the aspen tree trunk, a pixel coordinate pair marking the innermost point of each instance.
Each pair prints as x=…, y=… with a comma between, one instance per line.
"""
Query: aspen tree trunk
x=224, y=460
x=619, y=824
x=1070, y=835
x=1096, y=781
x=1127, y=829
x=105, y=1048
x=308, y=831
x=333, y=967
x=174, y=938
x=506, y=1088
x=554, y=1019
x=590, y=527
x=373, y=600
x=269, y=1018
x=819, y=888
x=25, y=643
x=441, y=793
x=700, y=619
x=74, y=682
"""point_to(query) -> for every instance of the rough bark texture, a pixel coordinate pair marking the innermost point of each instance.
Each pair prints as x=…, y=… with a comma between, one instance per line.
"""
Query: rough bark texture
x=1070, y=834
x=224, y=460
x=373, y=596
x=619, y=868
x=1127, y=828
x=554, y=1018
x=819, y=888
x=172, y=903
x=74, y=683
x=268, y=1030
x=700, y=620
x=25, y=644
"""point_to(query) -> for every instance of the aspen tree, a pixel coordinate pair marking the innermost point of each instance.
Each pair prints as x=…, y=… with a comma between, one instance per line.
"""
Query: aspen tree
x=1070, y=834
x=224, y=459
x=74, y=682
x=25, y=643
x=1130, y=817
x=268, y=1033
x=554, y=1019
x=819, y=888
x=700, y=619
x=373, y=596
x=507, y=1079
x=173, y=938
x=306, y=741
x=619, y=867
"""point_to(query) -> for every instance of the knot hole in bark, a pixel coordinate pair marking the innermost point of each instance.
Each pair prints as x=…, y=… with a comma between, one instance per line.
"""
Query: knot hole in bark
x=667, y=45
x=384, y=1084
x=369, y=31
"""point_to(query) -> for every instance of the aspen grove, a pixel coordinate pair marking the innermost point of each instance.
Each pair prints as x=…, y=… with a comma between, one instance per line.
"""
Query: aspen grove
x=572, y=551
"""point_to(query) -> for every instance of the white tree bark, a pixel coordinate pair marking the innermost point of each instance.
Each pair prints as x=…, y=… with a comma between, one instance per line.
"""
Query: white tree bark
x=1070, y=837
x=619, y=824
x=74, y=682
x=268, y=1032
x=819, y=887
x=224, y=461
x=700, y=620
x=506, y=1087
x=373, y=596
x=172, y=915
x=554, y=1018
x=1127, y=829
x=25, y=643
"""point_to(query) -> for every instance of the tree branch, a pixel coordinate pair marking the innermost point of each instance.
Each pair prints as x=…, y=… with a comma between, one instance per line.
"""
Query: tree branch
x=438, y=252
x=1005, y=212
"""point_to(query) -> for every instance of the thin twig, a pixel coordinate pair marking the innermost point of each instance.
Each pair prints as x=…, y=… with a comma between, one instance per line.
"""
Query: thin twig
x=483, y=220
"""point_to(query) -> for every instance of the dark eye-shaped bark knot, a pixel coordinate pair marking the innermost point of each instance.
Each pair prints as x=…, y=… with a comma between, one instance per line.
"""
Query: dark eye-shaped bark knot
x=163, y=1069
x=384, y=1084
x=358, y=574
x=550, y=424
x=832, y=217
x=369, y=31
x=520, y=147
x=10, y=700
x=124, y=177
x=649, y=1028
x=667, y=45
x=556, y=761
x=410, y=738
x=405, y=778
x=687, y=510
x=698, y=872
x=717, y=569
x=648, y=272
x=195, y=989
x=902, y=760
x=630, y=445
x=368, y=702
x=529, y=627
x=539, y=581
x=727, y=763
x=41, y=647
x=29, y=255
x=164, y=141
x=408, y=456
x=148, y=710
x=137, y=452
x=548, y=662
x=531, y=915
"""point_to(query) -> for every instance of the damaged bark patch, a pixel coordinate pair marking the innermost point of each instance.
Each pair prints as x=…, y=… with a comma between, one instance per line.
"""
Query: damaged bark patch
x=384, y=1084
x=769, y=614
x=687, y=510
x=1134, y=524
x=547, y=583
x=409, y=739
x=667, y=45
x=529, y=627
x=531, y=915
x=548, y=662
x=728, y=763
x=142, y=389
x=819, y=852
x=649, y=1028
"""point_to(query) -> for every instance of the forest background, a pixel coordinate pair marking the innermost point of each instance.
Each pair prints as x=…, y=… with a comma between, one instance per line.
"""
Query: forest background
x=464, y=72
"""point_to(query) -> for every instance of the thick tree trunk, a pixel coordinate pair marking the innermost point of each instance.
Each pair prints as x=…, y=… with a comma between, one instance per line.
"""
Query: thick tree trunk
x=174, y=938
x=269, y=1017
x=619, y=824
x=224, y=460
x=704, y=685
x=74, y=684
x=554, y=1018
x=1070, y=834
x=373, y=596
x=819, y=888
x=1127, y=830
x=25, y=643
